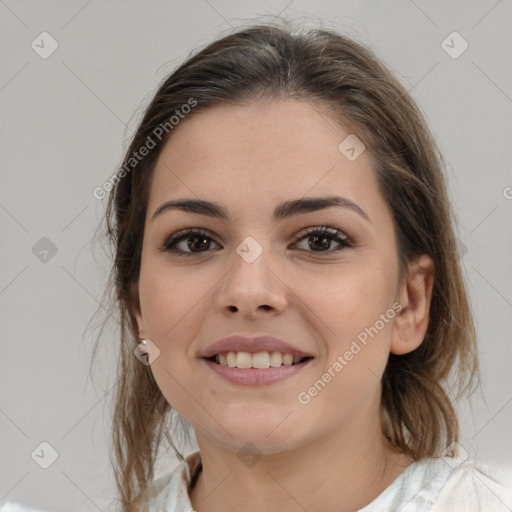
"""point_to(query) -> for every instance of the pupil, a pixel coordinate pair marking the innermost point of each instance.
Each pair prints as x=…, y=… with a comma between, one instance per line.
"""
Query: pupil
x=323, y=238
x=204, y=241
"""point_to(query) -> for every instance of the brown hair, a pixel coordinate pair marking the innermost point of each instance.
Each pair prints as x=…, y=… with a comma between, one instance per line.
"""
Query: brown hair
x=320, y=66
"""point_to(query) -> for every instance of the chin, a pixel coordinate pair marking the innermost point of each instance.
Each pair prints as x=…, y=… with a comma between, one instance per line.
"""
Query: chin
x=259, y=435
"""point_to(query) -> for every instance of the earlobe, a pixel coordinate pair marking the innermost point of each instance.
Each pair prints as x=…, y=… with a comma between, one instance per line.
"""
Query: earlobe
x=415, y=296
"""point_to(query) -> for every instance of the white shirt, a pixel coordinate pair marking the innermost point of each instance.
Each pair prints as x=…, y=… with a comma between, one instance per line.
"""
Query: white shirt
x=430, y=485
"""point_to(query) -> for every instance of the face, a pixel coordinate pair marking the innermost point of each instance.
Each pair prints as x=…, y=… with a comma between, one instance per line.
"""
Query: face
x=331, y=295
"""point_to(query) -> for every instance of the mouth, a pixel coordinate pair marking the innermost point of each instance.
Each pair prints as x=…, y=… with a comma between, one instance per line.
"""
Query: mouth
x=258, y=360
x=255, y=361
x=258, y=369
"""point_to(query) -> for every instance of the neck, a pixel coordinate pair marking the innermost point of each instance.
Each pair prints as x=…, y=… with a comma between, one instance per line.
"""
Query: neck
x=343, y=470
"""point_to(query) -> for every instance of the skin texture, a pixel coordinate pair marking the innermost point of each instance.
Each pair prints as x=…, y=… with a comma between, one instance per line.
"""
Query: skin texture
x=330, y=454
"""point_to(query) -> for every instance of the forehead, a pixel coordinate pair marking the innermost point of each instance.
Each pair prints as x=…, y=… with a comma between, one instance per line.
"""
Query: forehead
x=259, y=153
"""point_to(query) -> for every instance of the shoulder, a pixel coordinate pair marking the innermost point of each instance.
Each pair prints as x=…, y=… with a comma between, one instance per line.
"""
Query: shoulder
x=474, y=486
x=445, y=484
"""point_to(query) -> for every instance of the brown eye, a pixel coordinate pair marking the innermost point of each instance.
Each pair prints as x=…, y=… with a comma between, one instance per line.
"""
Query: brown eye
x=321, y=238
x=187, y=242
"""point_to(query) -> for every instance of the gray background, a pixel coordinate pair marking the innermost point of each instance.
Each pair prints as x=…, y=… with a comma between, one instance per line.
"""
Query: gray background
x=65, y=121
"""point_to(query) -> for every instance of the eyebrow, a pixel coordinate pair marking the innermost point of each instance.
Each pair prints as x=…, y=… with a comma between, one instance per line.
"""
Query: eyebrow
x=282, y=211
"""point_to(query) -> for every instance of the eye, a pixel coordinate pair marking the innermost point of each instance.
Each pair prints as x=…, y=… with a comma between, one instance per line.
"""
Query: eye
x=321, y=238
x=196, y=240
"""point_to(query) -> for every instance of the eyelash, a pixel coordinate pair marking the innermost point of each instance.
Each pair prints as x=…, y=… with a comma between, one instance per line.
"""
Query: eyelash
x=322, y=230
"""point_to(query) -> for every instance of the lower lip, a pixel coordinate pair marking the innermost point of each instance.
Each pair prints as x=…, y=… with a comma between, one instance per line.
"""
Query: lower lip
x=256, y=376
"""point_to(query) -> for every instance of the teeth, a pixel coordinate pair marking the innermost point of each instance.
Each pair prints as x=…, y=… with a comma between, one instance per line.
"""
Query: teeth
x=258, y=360
x=231, y=359
x=276, y=359
x=243, y=360
x=287, y=359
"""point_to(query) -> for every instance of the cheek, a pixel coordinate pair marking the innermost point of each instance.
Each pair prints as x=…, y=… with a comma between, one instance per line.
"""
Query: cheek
x=350, y=297
x=172, y=306
x=348, y=310
x=170, y=300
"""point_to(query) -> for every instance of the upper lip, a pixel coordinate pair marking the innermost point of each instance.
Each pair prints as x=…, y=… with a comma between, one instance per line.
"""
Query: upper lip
x=263, y=343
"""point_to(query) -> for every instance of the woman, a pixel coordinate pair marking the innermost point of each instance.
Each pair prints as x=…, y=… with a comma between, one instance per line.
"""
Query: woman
x=284, y=253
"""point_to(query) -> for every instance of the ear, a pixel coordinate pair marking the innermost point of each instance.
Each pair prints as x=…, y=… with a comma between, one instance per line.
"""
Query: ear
x=134, y=289
x=414, y=295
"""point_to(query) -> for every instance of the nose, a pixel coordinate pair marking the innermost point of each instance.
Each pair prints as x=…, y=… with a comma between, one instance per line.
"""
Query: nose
x=252, y=287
